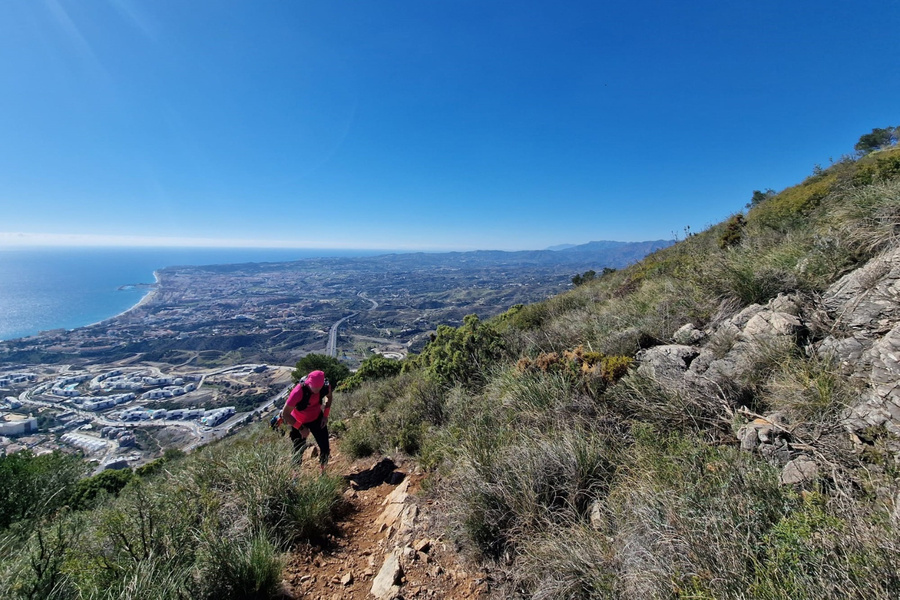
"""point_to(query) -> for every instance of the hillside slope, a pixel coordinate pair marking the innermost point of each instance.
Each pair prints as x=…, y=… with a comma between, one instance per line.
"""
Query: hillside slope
x=719, y=420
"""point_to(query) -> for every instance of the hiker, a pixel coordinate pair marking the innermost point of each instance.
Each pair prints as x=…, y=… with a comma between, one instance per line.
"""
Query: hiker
x=306, y=411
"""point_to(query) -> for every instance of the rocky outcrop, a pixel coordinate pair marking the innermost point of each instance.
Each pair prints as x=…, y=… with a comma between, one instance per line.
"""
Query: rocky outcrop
x=730, y=354
x=858, y=322
x=718, y=370
x=864, y=308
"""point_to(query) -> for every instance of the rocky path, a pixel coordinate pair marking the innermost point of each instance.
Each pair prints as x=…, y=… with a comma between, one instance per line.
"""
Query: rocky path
x=384, y=546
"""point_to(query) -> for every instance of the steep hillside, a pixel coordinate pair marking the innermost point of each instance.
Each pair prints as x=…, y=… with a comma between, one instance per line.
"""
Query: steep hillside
x=719, y=420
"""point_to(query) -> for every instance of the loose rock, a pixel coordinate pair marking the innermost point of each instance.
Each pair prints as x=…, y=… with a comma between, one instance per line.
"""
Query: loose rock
x=799, y=470
x=385, y=586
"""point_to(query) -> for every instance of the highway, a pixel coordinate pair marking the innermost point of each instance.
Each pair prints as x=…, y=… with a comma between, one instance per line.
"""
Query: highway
x=331, y=348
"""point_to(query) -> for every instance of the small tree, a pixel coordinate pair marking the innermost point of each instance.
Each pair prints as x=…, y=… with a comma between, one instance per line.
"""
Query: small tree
x=584, y=277
x=880, y=137
x=335, y=370
x=759, y=196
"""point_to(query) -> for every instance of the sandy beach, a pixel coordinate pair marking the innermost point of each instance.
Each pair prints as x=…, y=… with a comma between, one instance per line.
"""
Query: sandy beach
x=145, y=299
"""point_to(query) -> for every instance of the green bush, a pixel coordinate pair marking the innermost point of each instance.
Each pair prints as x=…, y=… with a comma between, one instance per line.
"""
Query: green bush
x=810, y=389
x=238, y=568
x=33, y=568
x=374, y=367
x=259, y=476
x=211, y=525
x=790, y=208
x=363, y=437
x=335, y=371
x=526, y=487
x=733, y=231
x=35, y=486
x=463, y=354
x=88, y=490
x=566, y=562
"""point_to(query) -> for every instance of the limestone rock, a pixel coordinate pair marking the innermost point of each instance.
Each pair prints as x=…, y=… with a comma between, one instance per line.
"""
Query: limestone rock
x=799, y=470
x=785, y=303
x=394, y=504
x=767, y=437
x=598, y=518
x=386, y=586
x=769, y=324
x=666, y=364
x=866, y=340
x=408, y=519
x=398, y=496
x=688, y=335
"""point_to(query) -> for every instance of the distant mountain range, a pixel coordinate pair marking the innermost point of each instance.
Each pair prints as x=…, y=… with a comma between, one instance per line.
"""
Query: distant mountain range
x=593, y=255
x=605, y=245
x=574, y=258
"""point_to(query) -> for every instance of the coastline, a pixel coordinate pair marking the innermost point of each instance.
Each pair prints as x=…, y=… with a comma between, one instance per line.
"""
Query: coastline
x=145, y=299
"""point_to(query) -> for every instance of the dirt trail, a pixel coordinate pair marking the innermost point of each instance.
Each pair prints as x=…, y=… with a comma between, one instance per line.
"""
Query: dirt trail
x=383, y=538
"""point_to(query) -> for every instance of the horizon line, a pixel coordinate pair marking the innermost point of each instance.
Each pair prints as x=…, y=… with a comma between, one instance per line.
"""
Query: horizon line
x=10, y=240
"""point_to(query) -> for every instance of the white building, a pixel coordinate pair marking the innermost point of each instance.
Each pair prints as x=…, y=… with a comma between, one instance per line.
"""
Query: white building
x=66, y=392
x=13, y=424
x=214, y=417
x=99, y=404
x=85, y=442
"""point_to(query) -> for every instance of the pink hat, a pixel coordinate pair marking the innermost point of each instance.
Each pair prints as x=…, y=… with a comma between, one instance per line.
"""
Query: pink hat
x=316, y=379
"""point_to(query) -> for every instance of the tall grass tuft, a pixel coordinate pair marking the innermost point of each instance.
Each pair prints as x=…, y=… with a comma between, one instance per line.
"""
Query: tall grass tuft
x=544, y=479
x=239, y=568
x=810, y=389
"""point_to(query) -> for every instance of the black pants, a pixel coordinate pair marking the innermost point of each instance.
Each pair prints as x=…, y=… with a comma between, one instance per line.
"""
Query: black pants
x=319, y=431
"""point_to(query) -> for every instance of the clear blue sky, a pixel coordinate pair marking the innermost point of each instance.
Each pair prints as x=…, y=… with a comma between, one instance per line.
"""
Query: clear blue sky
x=424, y=123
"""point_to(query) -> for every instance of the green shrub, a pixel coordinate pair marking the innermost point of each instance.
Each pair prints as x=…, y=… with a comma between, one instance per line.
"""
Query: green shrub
x=374, y=367
x=745, y=277
x=312, y=506
x=566, y=562
x=810, y=389
x=105, y=483
x=259, y=476
x=363, y=437
x=34, y=569
x=789, y=208
x=523, y=316
x=733, y=232
x=335, y=371
x=643, y=399
x=35, y=486
x=820, y=551
x=239, y=569
x=463, y=354
x=685, y=515
x=151, y=579
x=526, y=487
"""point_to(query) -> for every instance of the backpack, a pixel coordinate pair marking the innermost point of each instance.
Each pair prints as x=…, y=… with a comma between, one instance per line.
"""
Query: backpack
x=307, y=394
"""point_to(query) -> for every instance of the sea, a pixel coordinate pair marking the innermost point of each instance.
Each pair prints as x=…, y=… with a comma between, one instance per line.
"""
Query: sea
x=64, y=288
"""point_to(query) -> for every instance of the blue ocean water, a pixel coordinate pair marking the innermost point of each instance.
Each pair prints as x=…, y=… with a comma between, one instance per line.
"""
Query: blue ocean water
x=52, y=288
